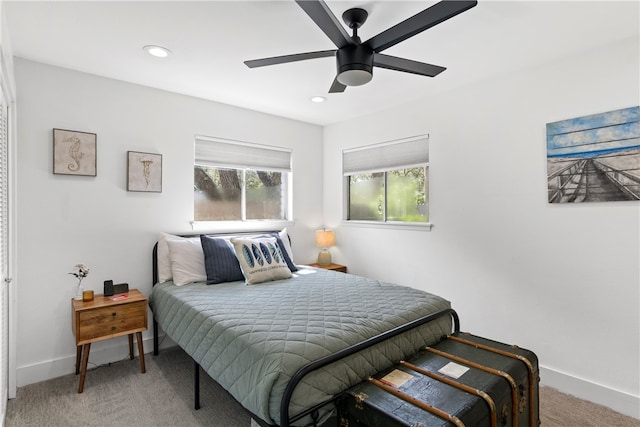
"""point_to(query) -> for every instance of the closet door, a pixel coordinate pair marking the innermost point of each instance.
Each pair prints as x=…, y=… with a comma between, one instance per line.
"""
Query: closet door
x=5, y=278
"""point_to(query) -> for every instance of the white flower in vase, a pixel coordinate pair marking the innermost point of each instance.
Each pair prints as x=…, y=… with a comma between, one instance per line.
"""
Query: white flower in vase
x=81, y=271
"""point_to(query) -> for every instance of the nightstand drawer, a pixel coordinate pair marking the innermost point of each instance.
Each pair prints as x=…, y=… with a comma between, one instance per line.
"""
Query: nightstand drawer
x=111, y=321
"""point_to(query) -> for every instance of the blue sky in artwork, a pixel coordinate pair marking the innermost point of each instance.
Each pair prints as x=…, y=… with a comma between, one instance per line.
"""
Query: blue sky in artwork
x=594, y=135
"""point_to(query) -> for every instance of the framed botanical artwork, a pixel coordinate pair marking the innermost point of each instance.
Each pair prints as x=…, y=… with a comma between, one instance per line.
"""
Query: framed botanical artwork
x=144, y=172
x=74, y=152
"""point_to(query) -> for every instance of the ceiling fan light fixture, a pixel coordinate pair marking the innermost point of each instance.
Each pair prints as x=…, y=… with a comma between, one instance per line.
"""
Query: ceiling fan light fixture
x=354, y=77
x=355, y=65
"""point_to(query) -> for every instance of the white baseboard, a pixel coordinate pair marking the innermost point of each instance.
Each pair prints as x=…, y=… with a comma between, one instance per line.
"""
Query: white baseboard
x=620, y=401
x=101, y=353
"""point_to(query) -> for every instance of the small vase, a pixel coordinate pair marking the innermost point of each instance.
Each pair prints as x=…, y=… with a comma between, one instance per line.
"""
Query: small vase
x=79, y=291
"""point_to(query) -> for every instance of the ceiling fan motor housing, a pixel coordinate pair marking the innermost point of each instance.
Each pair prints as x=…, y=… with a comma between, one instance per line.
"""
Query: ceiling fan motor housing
x=355, y=65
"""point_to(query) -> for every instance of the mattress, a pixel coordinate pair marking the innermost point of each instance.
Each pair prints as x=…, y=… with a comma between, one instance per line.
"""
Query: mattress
x=251, y=339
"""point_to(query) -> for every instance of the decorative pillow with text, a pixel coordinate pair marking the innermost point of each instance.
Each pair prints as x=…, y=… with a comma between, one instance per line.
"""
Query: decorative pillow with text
x=261, y=259
x=283, y=248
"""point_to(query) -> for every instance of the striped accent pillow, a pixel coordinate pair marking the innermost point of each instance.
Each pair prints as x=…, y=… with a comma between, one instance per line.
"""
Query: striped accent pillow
x=220, y=261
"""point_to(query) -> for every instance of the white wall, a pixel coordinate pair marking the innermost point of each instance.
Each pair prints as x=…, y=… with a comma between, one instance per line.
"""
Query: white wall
x=65, y=220
x=561, y=280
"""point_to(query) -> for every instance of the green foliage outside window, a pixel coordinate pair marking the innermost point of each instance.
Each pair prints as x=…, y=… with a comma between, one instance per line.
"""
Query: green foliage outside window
x=405, y=198
x=218, y=194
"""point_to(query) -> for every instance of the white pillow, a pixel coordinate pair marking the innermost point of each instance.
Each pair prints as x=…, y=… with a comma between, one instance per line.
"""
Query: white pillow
x=187, y=261
x=260, y=259
x=162, y=255
x=164, y=261
x=284, y=236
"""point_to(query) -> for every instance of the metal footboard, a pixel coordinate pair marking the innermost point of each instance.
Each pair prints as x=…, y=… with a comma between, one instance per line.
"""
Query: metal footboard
x=285, y=420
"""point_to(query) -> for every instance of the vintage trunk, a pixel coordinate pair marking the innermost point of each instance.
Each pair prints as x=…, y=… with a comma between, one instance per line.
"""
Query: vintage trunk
x=464, y=380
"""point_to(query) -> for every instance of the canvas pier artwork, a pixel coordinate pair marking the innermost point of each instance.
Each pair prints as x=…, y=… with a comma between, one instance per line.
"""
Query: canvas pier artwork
x=594, y=158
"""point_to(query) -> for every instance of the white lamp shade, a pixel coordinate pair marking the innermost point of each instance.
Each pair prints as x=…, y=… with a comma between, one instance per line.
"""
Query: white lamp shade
x=325, y=238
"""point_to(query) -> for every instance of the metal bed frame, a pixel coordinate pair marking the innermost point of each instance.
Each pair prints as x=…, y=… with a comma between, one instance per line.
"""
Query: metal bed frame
x=285, y=418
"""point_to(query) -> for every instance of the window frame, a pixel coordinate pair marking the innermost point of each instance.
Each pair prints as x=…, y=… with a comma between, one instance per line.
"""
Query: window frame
x=378, y=166
x=232, y=162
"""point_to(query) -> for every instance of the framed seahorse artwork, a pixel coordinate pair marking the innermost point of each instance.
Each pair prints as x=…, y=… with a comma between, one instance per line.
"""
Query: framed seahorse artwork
x=74, y=152
x=144, y=172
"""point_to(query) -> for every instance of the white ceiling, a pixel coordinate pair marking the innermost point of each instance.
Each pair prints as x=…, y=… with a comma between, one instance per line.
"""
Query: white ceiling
x=211, y=39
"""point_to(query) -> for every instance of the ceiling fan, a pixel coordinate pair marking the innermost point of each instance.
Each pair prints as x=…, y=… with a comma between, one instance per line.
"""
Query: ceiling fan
x=356, y=59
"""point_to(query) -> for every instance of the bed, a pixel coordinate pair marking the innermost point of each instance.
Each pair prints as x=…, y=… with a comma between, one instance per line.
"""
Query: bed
x=285, y=347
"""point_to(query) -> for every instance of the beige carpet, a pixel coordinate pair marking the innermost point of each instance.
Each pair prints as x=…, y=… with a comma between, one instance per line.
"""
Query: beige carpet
x=561, y=410
x=119, y=395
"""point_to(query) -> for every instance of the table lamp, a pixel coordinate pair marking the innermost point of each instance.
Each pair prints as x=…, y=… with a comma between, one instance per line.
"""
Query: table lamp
x=325, y=239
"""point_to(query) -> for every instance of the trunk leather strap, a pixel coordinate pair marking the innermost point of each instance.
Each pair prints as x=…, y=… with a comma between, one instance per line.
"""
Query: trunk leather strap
x=532, y=421
x=458, y=385
x=514, y=387
x=417, y=402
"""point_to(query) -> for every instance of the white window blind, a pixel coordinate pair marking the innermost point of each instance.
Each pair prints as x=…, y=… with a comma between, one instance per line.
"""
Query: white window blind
x=241, y=155
x=399, y=154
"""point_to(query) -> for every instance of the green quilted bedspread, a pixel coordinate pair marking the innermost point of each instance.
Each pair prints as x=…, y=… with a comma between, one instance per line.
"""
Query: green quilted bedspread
x=252, y=339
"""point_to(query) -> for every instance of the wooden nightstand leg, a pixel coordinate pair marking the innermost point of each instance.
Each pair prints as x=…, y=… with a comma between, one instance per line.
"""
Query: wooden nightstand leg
x=78, y=356
x=131, y=346
x=83, y=372
x=140, y=351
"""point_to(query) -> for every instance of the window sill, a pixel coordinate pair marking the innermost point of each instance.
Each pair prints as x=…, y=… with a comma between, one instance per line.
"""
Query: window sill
x=413, y=226
x=257, y=225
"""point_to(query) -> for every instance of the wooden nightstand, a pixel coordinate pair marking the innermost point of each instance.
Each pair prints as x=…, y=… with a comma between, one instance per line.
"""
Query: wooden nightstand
x=334, y=267
x=102, y=319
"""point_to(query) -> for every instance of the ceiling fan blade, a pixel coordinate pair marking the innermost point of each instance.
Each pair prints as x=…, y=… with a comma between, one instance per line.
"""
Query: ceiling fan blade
x=419, y=22
x=336, y=86
x=289, y=58
x=406, y=65
x=320, y=13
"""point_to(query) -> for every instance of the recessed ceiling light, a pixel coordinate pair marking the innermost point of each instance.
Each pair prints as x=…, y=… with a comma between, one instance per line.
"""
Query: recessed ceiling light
x=157, y=51
x=318, y=99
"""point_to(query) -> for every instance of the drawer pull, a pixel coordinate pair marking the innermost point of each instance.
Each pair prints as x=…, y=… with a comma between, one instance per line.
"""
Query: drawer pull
x=113, y=328
x=113, y=314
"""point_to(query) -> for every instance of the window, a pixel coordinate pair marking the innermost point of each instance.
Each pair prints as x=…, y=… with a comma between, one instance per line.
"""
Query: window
x=388, y=182
x=236, y=181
